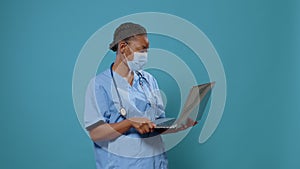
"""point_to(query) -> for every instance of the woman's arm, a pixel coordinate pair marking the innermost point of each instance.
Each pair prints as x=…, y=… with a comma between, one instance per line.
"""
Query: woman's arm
x=111, y=131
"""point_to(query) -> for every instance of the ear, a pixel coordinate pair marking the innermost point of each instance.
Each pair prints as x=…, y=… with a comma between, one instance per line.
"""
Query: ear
x=122, y=45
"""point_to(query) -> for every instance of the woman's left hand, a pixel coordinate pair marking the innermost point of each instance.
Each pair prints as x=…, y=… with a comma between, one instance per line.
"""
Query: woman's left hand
x=189, y=123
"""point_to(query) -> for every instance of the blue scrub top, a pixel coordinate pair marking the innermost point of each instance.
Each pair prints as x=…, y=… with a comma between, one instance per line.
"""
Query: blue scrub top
x=142, y=99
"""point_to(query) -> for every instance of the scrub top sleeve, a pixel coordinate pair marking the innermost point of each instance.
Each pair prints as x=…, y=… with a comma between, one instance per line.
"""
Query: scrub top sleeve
x=92, y=114
x=160, y=105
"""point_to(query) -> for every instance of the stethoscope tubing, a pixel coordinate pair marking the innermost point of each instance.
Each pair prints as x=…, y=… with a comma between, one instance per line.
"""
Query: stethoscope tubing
x=122, y=110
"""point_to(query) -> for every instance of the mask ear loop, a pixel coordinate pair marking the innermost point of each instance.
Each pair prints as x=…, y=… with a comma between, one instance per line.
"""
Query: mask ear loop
x=125, y=57
x=127, y=44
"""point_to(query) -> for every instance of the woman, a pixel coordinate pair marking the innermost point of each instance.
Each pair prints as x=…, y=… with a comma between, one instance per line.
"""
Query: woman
x=121, y=104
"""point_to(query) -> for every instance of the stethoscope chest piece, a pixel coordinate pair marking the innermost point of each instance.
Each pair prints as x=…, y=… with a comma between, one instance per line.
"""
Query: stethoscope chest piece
x=123, y=112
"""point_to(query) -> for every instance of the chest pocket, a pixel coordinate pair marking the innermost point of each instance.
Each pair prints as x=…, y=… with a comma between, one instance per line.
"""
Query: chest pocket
x=141, y=102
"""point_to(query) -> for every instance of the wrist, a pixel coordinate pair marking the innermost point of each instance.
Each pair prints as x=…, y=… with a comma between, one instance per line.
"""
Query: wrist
x=128, y=122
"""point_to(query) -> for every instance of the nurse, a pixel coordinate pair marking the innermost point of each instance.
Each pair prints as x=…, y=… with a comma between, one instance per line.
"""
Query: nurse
x=121, y=104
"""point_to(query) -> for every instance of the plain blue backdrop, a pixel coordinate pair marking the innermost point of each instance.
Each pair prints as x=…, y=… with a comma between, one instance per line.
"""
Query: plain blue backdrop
x=257, y=40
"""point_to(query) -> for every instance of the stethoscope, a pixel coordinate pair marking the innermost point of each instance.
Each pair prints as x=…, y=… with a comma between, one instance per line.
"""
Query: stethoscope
x=122, y=110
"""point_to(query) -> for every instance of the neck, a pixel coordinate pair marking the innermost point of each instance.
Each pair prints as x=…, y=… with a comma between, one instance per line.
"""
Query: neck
x=122, y=69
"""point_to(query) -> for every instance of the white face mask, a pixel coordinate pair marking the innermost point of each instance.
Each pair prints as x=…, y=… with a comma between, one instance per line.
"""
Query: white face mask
x=138, y=62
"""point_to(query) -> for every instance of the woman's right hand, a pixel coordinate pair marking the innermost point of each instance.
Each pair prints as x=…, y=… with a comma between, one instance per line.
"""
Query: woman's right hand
x=141, y=124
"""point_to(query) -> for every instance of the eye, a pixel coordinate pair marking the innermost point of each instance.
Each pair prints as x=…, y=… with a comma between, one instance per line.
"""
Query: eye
x=143, y=50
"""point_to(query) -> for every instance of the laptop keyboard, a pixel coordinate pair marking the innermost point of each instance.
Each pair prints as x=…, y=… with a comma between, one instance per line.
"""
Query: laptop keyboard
x=167, y=124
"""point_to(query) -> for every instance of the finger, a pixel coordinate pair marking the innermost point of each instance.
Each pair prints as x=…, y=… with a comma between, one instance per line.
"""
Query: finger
x=151, y=125
x=146, y=128
x=140, y=131
x=191, y=121
x=182, y=126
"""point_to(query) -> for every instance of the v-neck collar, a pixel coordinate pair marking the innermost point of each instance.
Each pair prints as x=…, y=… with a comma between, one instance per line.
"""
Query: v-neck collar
x=124, y=80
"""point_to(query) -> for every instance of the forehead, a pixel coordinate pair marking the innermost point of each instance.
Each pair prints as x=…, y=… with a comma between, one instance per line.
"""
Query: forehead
x=140, y=41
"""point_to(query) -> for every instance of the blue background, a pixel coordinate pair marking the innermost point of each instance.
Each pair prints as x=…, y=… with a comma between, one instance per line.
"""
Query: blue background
x=257, y=41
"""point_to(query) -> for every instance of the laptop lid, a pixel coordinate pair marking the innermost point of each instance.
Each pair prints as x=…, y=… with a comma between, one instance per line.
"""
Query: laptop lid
x=196, y=100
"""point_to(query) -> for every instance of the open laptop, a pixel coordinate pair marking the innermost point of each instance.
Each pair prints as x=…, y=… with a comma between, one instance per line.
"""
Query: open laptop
x=198, y=96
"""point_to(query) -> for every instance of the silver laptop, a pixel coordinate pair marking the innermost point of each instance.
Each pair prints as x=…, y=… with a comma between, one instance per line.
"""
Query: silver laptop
x=198, y=96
